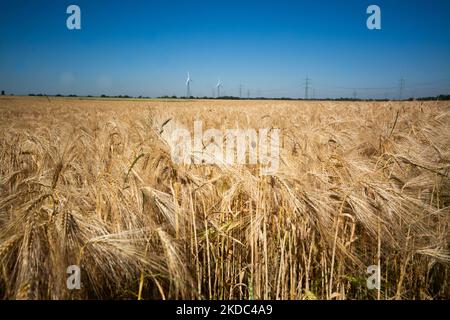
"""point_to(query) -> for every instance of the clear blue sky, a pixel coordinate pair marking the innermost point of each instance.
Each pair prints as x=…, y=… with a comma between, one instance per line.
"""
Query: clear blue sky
x=146, y=47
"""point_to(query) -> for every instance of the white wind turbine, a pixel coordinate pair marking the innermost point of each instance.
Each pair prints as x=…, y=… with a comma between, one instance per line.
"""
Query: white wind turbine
x=188, y=85
x=219, y=85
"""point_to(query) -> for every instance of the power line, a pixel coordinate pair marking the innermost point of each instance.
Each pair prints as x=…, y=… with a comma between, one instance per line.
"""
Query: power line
x=359, y=88
x=419, y=84
x=399, y=91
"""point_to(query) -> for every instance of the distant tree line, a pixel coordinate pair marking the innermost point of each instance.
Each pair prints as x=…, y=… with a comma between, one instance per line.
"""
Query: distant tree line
x=439, y=97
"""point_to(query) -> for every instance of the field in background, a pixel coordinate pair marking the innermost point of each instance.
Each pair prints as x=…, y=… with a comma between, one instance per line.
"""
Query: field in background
x=92, y=183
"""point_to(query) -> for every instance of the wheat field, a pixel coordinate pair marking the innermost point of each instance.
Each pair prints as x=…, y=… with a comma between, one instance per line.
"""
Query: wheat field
x=92, y=183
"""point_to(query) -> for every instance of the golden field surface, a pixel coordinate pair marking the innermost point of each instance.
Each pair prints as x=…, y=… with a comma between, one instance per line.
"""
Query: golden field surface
x=92, y=183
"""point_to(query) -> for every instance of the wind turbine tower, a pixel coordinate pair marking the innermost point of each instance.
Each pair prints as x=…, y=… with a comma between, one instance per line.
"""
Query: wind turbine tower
x=188, y=85
x=402, y=87
x=218, y=86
